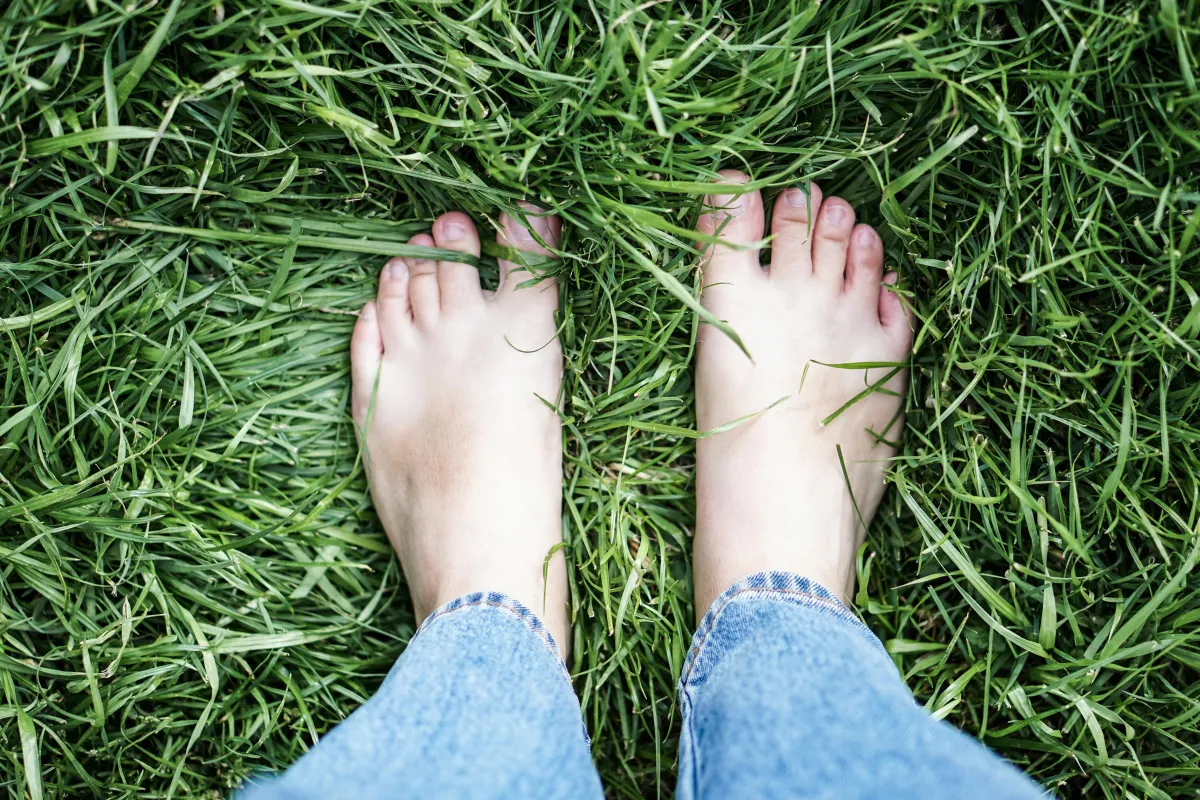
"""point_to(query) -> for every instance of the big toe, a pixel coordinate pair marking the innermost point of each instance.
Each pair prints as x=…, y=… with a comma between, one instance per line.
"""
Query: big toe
x=532, y=237
x=734, y=218
x=458, y=281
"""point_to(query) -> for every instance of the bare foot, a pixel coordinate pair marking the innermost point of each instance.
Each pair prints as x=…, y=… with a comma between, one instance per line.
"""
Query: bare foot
x=771, y=494
x=465, y=455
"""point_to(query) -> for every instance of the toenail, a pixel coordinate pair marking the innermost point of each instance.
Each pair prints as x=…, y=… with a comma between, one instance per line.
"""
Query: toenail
x=835, y=213
x=395, y=270
x=453, y=231
x=535, y=220
x=866, y=238
x=541, y=225
x=796, y=198
x=729, y=205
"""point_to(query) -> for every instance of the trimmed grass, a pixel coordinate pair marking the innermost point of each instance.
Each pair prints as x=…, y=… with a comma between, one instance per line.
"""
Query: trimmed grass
x=195, y=198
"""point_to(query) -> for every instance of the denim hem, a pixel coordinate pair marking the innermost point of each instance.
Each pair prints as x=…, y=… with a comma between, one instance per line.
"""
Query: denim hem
x=519, y=611
x=787, y=587
x=510, y=606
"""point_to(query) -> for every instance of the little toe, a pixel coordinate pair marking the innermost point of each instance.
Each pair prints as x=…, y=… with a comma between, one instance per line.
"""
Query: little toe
x=423, y=292
x=392, y=307
x=366, y=354
x=864, y=265
x=792, y=228
x=736, y=218
x=458, y=282
x=895, y=314
x=831, y=240
x=537, y=234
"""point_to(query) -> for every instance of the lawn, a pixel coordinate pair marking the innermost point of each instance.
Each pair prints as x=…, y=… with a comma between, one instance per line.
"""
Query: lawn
x=195, y=198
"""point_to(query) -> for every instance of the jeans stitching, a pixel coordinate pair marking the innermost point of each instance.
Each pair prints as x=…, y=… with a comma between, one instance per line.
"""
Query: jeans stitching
x=785, y=586
x=685, y=709
x=515, y=609
x=511, y=606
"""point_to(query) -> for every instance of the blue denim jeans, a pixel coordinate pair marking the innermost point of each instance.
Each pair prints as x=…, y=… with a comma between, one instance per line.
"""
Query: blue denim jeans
x=784, y=694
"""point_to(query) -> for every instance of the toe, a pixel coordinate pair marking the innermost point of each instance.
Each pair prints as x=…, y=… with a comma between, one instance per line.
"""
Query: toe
x=366, y=354
x=895, y=314
x=392, y=310
x=736, y=219
x=792, y=231
x=423, y=292
x=864, y=265
x=831, y=240
x=458, y=283
x=537, y=234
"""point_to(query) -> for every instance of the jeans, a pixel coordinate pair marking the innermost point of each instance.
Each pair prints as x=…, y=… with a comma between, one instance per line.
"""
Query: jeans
x=784, y=694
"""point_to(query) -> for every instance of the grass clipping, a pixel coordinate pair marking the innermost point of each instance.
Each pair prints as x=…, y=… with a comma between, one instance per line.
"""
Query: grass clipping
x=195, y=198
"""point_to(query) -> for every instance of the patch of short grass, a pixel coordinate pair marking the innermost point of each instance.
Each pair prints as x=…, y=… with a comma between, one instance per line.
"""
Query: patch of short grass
x=195, y=197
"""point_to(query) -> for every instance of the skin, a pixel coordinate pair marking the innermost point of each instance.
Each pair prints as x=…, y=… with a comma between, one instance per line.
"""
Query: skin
x=454, y=387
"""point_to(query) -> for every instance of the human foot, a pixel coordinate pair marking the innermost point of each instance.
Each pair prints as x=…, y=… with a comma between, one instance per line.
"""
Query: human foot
x=770, y=493
x=463, y=447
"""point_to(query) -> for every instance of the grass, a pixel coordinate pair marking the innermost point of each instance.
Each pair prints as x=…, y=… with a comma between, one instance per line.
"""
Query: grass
x=195, y=198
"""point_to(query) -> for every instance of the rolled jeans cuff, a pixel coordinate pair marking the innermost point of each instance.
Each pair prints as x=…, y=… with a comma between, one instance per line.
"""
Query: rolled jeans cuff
x=498, y=601
x=710, y=643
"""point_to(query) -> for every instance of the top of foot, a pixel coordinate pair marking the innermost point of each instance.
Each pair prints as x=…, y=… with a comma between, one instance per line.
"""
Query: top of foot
x=771, y=494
